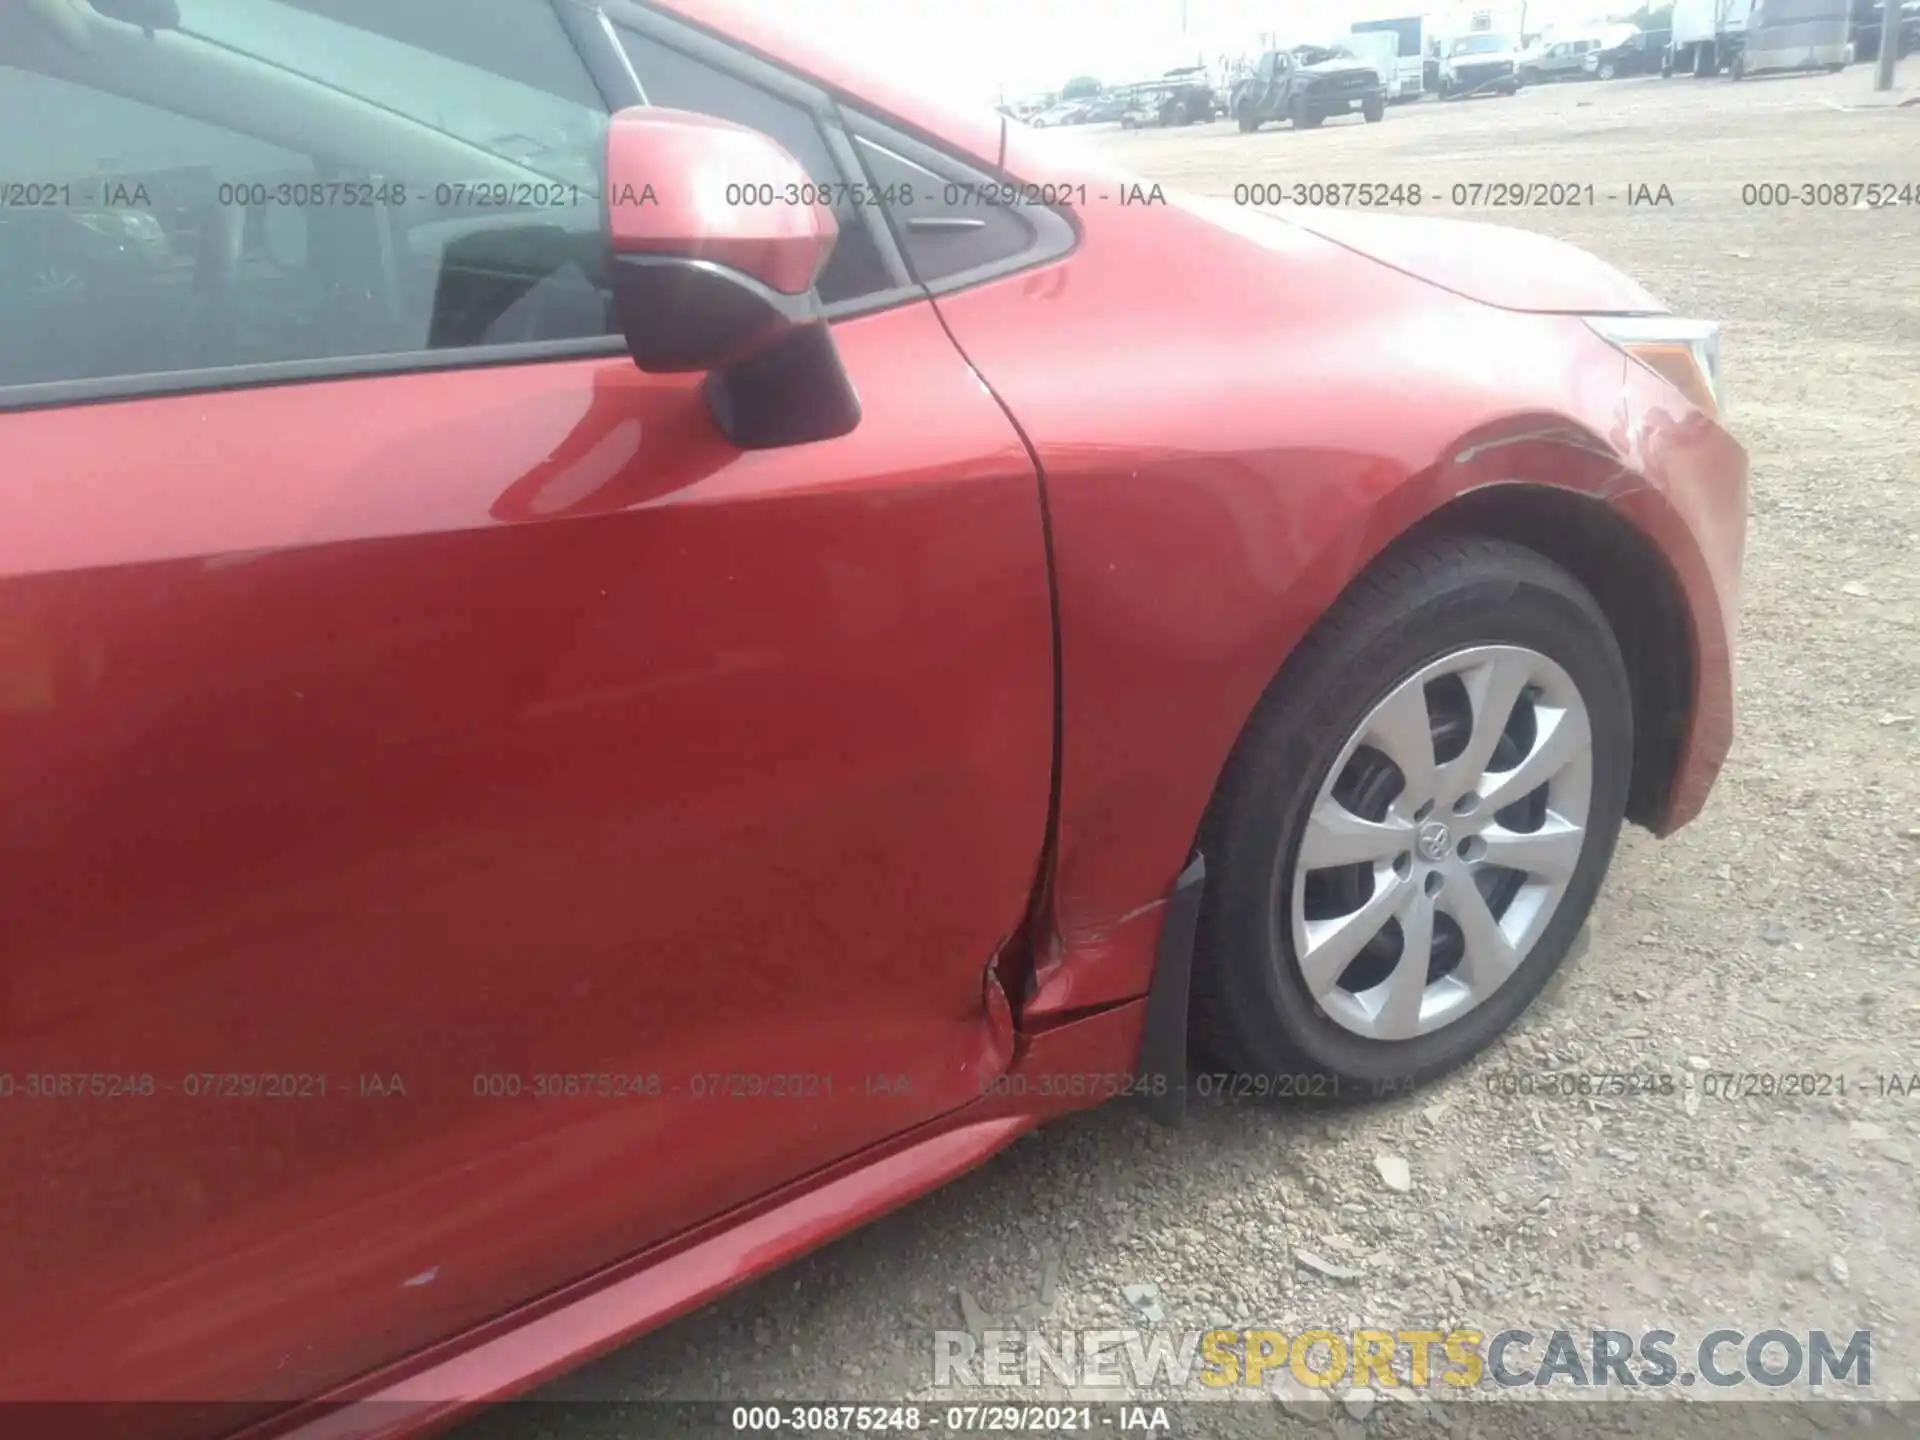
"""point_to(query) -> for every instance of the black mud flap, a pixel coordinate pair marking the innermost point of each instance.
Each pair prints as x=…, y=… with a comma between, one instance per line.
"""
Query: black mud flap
x=1163, y=1043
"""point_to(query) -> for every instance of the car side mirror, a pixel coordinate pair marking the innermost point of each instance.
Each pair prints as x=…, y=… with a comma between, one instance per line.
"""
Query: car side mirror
x=717, y=241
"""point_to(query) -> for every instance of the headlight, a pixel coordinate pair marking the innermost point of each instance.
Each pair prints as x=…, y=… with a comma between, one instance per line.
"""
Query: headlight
x=1686, y=353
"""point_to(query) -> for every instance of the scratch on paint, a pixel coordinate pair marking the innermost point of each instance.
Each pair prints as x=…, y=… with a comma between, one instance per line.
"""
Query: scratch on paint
x=1564, y=433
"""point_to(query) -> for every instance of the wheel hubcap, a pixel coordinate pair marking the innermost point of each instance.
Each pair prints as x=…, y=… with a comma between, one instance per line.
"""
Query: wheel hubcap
x=1441, y=841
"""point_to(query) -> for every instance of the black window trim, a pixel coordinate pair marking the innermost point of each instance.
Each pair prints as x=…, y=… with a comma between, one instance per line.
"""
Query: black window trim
x=723, y=55
x=841, y=120
x=1055, y=233
x=155, y=383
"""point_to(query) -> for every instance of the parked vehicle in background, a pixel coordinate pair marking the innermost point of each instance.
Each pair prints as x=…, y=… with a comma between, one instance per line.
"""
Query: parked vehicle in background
x=1701, y=30
x=1795, y=35
x=1106, y=109
x=1410, y=31
x=1746, y=37
x=1869, y=20
x=1380, y=49
x=1627, y=51
x=1483, y=64
x=1182, y=96
x=1307, y=84
x=1185, y=99
x=1071, y=112
x=1561, y=58
x=1617, y=53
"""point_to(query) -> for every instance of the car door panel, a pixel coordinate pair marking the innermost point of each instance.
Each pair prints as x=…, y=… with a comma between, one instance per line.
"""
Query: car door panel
x=371, y=748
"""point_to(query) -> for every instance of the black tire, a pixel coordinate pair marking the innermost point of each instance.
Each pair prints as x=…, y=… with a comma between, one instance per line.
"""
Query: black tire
x=1529, y=77
x=1606, y=70
x=1374, y=111
x=1303, y=116
x=1251, y=1011
x=1249, y=122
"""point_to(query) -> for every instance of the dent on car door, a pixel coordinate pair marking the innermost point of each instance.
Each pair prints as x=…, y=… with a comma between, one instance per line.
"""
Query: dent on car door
x=465, y=821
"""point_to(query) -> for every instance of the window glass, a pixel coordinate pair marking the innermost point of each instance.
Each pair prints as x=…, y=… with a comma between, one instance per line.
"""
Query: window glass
x=944, y=228
x=277, y=181
x=677, y=81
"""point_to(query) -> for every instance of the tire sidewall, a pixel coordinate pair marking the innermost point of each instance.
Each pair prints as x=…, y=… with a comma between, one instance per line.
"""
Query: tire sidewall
x=1332, y=700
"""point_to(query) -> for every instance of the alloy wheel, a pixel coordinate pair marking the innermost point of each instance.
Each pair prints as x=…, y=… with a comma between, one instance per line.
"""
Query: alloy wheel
x=1441, y=841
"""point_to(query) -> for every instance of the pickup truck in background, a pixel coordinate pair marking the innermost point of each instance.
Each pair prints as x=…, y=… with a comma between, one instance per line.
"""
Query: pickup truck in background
x=1479, y=64
x=1564, y=57
x=1628, y=50
x=1307, y=84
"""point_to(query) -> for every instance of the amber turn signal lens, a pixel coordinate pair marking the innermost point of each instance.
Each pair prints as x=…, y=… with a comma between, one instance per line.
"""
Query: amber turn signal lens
x=1685, y=353
x=1679, y=365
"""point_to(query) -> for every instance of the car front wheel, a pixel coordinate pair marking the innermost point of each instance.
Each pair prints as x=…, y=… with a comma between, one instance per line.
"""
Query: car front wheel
x=1415, y=822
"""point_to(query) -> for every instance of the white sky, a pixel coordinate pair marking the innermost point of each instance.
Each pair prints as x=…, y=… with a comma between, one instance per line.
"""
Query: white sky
x=968, y=48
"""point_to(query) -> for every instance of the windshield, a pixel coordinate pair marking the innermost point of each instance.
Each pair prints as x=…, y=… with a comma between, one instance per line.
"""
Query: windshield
x=1315, y=54
x=1479, y=45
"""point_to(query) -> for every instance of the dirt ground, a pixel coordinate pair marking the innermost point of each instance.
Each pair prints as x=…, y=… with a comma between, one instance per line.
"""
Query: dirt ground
x=1776, y=934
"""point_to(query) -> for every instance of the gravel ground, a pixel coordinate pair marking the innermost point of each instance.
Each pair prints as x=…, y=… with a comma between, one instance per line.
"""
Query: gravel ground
x=1774, y=935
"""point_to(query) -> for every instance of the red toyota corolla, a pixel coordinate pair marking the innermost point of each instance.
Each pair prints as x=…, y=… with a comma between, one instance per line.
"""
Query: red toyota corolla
x=621, y=648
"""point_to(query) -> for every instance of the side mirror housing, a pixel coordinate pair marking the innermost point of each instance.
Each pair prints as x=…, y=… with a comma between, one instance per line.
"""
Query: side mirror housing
x=713, y=266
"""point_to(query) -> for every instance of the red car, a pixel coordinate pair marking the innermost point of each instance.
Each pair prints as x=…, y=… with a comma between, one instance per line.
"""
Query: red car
x=611, y=664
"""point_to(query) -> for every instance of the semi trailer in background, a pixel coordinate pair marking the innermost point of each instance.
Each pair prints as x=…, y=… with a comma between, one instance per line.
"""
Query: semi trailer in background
x=1745, y=37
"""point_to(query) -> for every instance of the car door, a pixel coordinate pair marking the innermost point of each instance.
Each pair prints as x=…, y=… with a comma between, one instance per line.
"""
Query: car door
x=464, y=822
x=1276, y=72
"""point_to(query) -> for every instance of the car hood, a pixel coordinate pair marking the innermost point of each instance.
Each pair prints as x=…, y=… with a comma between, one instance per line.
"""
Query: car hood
x=1493, y=264
x=1336, y=67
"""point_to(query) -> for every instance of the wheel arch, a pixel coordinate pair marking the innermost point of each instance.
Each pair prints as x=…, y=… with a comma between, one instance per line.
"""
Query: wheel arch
x=1644, y=603
x=1637, y=590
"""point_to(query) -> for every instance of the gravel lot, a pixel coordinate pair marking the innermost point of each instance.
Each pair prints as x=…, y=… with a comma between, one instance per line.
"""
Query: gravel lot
x=1776, y=934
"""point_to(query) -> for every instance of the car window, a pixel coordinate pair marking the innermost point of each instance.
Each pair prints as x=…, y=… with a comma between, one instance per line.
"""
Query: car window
x=276, y=181
x=678, y=81
x=946, y=227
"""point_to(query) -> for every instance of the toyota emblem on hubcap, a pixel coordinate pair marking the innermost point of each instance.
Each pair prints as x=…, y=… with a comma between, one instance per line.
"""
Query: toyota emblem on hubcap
x=1433, y=841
